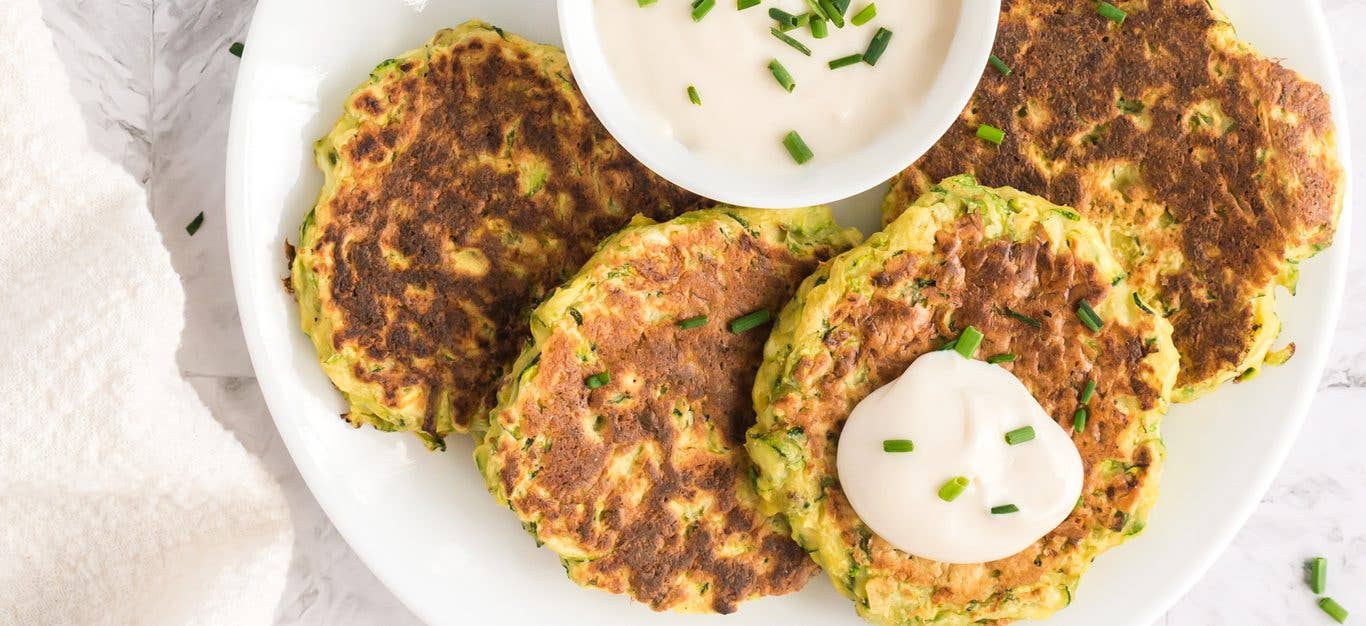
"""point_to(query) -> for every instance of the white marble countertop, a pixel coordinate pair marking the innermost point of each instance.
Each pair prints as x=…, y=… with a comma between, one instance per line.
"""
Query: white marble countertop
x=155, y=81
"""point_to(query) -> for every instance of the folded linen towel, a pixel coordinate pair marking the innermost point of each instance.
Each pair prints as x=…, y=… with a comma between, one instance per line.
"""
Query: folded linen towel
x=122, y=501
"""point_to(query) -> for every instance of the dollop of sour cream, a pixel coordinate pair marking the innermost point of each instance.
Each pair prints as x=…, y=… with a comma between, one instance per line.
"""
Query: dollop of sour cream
x=657, y=51
x=956, y=413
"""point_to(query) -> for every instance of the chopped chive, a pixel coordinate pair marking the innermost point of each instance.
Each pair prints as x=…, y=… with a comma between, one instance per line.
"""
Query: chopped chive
x=693, y=322
x=645, y=3
x=1004, y=509
x=819, y=28
x=1087, y=391
x=897, y=445
x=834, y=12
x=783, y=18
x=1333, y=609
x=800, y=152
x=817, y=11
x=781, y=75
x=1089, y=317
x=846, y=61
x=865, y=15
x=1020, y=435
x=701, y=8
x=841, y=6
x=1000, y=65
x=750, y=321
x=1023, y=318
x=193, y=226
x=741, y=5
x=1001, y=358
x=1111, y=12
x=1139, y=302
x=693, y=96
x=990, y=133
x=1318, y=574
x=953, y=488
x=950, y=344
x=598, y=380
x=796, y=45
x=1079, y=420
x=877, y=46
x=236, y=49
x=968, y=342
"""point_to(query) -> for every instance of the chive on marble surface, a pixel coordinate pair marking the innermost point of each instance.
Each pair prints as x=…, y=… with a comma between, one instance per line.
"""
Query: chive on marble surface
x=155, y=81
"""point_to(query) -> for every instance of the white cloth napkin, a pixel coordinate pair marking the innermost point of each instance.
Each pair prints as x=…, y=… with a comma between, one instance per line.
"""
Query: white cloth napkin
x=122, y=501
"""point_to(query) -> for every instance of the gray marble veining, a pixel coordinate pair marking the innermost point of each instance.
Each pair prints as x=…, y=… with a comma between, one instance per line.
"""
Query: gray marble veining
x=155, y=82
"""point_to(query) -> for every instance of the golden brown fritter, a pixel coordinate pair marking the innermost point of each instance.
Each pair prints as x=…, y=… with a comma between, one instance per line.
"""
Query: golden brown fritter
x=1015, y=267
x=465, y=179
x=620, y=443
x=1211, y=170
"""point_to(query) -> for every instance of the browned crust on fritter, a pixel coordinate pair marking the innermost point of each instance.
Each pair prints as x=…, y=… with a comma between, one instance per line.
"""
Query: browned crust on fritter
x=1235, y=202
x=443, y=176
x=918, y=304
x=645, y=548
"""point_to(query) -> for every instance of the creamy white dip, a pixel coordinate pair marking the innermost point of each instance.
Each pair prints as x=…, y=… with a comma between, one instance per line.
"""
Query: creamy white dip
x=656, y=52
x=956, y=412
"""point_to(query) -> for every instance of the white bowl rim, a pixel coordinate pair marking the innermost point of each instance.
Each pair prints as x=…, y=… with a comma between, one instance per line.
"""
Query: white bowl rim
x=818, y=181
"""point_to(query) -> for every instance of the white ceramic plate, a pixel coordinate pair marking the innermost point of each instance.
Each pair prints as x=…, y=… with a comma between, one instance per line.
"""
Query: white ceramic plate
x=424, y=523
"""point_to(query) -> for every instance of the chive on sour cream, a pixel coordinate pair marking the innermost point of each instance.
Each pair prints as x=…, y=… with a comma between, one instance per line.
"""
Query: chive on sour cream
x=956, y=462
x=744, y=87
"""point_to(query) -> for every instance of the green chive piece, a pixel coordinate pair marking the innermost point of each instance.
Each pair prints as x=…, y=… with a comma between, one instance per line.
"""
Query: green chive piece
x=236, y=49
x=897, y=445
x=1020, y=435
x=796, y=45
x=781, y=75
x=819, y=28
x=645, y=3
x=1000, y=65
x=950, y=344
x=865, y=15
x=193, y=226
x=841, y=6
x=800, y=152
x=701, y=8
x=598, y=380
x=1333, y=609
x=1079, y=420
x=1318, y=574
x=1001, y=358
x=968, y=342
x=693, y=322
x=693, y=96
x=834, y=12
x=1087, y=391
x=1089, y=317
x=783, y=18
x=1004, y=509
x=817, y=11
x=877, y=46
x=1111, y=12
x=953, y=488
x=846, y=61
x=990, y=133
x=750, y=321
x=1023, y=318
x=741, y=5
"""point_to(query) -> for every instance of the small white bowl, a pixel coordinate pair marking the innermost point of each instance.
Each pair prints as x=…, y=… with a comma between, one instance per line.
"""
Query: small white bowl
x=817, y=182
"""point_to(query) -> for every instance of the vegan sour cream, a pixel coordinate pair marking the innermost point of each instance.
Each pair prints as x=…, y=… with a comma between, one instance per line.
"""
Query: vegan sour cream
x=955, y=461
x=710, y=82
